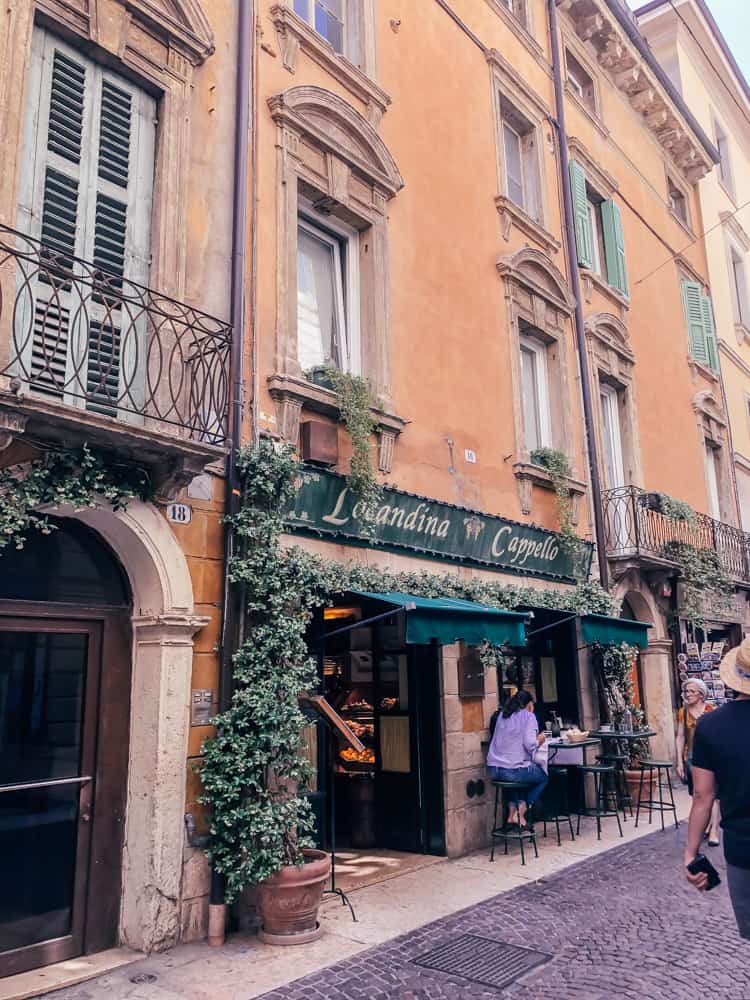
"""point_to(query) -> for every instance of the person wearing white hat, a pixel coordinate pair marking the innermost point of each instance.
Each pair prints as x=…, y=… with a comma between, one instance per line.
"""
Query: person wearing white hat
x=720, y=770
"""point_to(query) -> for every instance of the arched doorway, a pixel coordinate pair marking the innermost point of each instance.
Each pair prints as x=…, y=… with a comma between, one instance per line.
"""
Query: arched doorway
x=65, y=642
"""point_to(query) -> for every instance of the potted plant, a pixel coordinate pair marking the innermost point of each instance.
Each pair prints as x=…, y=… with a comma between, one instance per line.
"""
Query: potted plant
x=613, y=666
x=253, y=772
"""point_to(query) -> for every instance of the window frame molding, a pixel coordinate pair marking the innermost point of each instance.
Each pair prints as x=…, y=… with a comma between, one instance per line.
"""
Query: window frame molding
x=537, y=296
x=730, y=189
x=670, y=177
x=523, y=32
x=329, y=155
x=736, y=238
x=295, y=35
x=506, y=83
x=570, y=42
x=538, y=348
x=712, y=428
x=611, y=355
x=160, y=55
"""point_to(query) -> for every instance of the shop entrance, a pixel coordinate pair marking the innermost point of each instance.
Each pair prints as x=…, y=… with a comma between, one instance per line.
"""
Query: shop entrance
x=390, y=795
x=64, y=691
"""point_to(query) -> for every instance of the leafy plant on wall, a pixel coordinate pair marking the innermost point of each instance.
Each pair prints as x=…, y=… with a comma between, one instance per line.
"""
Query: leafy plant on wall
x=704, y=580
x=79, y=478
x=254, y=776
x=613, y=669
x=556, y=462
x=355, y=402
x=676, y=510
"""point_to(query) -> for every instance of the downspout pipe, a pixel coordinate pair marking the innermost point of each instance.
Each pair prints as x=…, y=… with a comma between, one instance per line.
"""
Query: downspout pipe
x=231, y=606
x=580, y=334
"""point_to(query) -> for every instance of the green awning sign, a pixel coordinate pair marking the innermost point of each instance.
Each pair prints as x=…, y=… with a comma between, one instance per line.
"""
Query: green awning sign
x=448, y=619
x=325, y=505
x=613, y=631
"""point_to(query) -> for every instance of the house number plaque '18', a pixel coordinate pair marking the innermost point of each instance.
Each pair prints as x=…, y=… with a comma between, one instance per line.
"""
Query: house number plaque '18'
x=180, y=513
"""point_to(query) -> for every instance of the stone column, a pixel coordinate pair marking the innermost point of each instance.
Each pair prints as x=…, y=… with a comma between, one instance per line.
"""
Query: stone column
x=154, y=830
x=656, y=671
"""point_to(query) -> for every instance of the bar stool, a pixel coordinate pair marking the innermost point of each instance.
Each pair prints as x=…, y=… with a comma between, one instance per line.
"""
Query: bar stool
x=618, y=761
x=660, y=766
x=558, y=776
x=502, y=832
x=604, y=791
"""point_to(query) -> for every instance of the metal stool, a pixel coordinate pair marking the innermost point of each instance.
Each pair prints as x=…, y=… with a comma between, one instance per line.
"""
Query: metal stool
x=502, y=832
x=660, y=806
x=562, y=806
x=604, y=791
x=618, y=761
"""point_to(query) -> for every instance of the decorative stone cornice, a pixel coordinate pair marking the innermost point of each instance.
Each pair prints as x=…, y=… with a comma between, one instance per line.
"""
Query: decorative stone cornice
x=294, y=35
x=511, y=216
x=596, y=25
x=529, y=475
x=335, y=127
x=169, y=629
x=531, y=269
x=612, y=336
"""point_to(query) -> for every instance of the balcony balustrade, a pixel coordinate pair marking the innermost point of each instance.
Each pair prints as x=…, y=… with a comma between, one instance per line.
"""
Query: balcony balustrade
x=77, y=335
x=635, y=527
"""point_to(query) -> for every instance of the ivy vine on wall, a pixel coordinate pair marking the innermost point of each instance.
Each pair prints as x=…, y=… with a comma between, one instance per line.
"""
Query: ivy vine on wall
x=252, y=771
x=78, y=478
x=556, y=462
x=704, y=580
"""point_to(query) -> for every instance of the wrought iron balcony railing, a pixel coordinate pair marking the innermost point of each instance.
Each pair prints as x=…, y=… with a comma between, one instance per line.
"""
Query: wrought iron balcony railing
x=634, y=526
x=76, y=333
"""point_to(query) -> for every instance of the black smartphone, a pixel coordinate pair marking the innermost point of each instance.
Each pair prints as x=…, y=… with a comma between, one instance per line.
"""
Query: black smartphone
x=701, y=864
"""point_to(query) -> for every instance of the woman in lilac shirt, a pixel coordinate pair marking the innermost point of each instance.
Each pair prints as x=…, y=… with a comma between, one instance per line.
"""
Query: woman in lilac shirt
x=510, y=757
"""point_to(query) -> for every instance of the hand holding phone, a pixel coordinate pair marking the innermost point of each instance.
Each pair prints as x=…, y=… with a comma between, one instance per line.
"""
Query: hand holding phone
x=700, y=865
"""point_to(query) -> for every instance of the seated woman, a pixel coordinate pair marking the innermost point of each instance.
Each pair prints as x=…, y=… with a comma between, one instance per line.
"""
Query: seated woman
x=510, y=757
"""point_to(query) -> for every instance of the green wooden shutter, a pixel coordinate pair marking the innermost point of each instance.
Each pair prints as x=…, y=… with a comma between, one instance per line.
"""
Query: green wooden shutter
x=692, y=300
x=614, y=246
x=582, y=225
x=709, y=332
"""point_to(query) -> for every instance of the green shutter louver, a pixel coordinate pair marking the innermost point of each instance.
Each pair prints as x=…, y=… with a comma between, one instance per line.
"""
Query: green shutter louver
x=709, y=331
x=692, y=299
x=614, y=246
x=584, y=236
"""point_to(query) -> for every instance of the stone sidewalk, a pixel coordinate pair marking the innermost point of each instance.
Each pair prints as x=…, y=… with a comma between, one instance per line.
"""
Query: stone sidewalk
x=605, y=914
x=624, y=924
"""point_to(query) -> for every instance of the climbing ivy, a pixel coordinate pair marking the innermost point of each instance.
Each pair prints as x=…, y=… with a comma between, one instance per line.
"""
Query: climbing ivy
x=704, y=580
x=556, y=462
x=253, y=773
x=677, y=510
x=79, y=478
x=613, y=669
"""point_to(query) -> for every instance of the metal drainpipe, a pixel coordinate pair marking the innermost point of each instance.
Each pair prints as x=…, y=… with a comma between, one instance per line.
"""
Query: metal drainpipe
x=570, y=246
x=245, y=58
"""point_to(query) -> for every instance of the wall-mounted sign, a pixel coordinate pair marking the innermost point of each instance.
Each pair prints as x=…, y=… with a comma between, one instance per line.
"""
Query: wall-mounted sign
x=325, y=505
x=180, y=513
x=202, y=707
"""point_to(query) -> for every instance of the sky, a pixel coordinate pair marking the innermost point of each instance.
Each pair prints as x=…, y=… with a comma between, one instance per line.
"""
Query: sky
x=733, y=17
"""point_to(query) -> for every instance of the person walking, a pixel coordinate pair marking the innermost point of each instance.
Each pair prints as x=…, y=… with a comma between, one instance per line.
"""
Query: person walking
x=694, y=694
x=720, y=770
x=511, y=754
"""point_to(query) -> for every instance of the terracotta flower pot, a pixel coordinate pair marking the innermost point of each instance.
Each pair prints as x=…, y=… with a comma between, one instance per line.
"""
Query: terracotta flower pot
x=633, y=779
x=289, y=901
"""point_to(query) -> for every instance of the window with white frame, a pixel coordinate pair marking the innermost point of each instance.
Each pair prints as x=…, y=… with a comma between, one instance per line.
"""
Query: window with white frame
x=614, y=470
x=517, y=8
x=580, y=82
x=725, y=165
x=327, y=296
x=738, y=280
x=535, y=391
x=520, y=158
x=327, y=17
x=711, y=455
x=677, y=202
x=594, y=204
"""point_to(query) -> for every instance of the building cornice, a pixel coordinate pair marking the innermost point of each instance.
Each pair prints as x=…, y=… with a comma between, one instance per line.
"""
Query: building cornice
x=603, y=27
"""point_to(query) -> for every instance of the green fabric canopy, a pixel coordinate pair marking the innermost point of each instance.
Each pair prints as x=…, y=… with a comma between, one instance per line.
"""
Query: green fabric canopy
x=448, y=620
x=601, y=628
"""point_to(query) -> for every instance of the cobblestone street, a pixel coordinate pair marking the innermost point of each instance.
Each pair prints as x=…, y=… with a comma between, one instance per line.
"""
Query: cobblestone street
x=624, y=924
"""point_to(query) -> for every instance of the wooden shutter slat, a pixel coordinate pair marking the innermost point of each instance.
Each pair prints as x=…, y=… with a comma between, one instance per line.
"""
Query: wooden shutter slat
x=692, y=302
x=709, y=332
x=65, y=127
x=114, y=134
x=614, y=246
x=582, y=224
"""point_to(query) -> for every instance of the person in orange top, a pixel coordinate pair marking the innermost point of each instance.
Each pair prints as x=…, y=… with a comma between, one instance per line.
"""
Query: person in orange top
x=694, y=694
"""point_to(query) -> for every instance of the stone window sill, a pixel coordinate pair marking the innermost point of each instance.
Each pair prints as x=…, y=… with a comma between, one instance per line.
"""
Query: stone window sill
x=592, y=115
x=530, y=475
x=294, y=34
x=682, y=222
x=593, y=280
x=511, y=215
x=742, y=333
x=699, y=368
x=292, y=393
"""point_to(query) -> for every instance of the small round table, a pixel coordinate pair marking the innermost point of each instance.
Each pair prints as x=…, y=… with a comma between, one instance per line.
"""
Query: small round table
x=622, y=742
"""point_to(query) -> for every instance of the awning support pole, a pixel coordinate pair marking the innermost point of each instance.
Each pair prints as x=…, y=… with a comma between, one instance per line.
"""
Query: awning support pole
x=544, y=628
